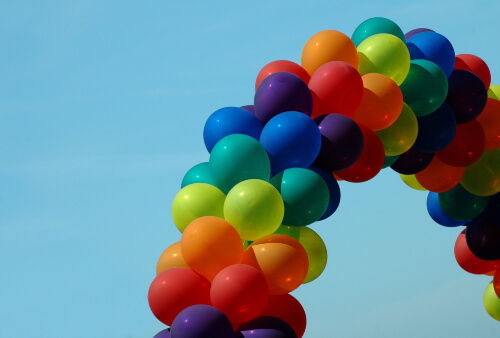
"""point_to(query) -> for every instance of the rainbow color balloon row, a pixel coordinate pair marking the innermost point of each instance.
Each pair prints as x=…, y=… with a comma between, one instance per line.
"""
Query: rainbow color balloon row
x=353, y=107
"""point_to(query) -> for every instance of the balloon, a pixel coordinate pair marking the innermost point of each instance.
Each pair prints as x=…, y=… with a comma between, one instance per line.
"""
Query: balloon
x=255, y=209
x=333, y=189
x=467, y=145
x=370, y=162
x=171, y=258
x=196, y=200
x=401, y=135
x=385, y=54
x=249, y=108
x=411, y=162
x=490, y=121
x=470, y=262
x=491, y=302
x=237, y=158
x=416, y=31
x=341, y=142
x=482, y=178
x=227, y=121
x=281, y=66
x=491, y=211
x=176, y=289
x=494, y=92
x=163, y=334
x=200, y=173
x=467, y=95
x=201, y=321
x=374, y=26
x=439, y=176
x=381, y=103
x=280, y=92
x=289, y=309
x=434, y=47
x=437, y=213
x=291, y=139
x=326, y=46
x=240, y=292
x=209, y=244
x=483, y=238
x=316, y=252
x=496, y=282
x=461, y=205
x=436, y=130
x=266, y=327
x=282, y=260
x=304, y=193
x=389, y=160
x=336, y=87
x=411, y=181
x=425, y=88
x=474, y=64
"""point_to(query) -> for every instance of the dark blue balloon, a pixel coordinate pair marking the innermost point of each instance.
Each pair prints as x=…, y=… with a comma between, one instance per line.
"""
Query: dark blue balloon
x=492, y=211
x=483, y=238
x=163, y=334
x=333, y=188
x=436, y=130
x=201, y=321
x=266, y=327
x=227, y=121
x=412, y=162
x=434, y=47
x=292, y=140
x=437, y=213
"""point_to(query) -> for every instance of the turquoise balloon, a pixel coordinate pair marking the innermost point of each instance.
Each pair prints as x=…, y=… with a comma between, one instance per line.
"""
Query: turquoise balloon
x=374, y=26
x=237, y=158
x=200, y=173
x=304, y=193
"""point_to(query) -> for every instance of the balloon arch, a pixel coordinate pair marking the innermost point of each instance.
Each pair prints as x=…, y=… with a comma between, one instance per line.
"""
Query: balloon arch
x=354, y=106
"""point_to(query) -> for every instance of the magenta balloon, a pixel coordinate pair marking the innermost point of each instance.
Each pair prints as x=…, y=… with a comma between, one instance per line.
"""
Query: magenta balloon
x=341, y=142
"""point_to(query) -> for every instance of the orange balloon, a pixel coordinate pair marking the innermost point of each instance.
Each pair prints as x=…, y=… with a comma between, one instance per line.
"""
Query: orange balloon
x=439, y=176
x=490, y=121
x=326, y=46
x=381, y=104
x=171, y=258
x=209, y=244
x=491, y=273
x=282, y=260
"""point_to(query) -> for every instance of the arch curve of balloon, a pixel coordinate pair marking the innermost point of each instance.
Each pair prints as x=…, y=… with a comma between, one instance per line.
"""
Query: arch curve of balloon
x=354, y=106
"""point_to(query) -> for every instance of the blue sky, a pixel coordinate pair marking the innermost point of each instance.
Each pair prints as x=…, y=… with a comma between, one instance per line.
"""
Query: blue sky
x=102, y=107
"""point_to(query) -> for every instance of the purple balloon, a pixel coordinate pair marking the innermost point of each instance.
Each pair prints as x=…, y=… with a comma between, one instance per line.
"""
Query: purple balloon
x=341, y=142
x=266, y=327
x=416, y=31
x=281, y=92
x=163, y=334
x=483, y=238
x=411, y=162
x=201, y=321
x=249, y=108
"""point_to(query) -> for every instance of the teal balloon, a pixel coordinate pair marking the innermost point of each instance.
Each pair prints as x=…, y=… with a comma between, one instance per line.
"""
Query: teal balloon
x=374, y=26
x=237, y=158
x=200, y=173
x=460, y=204
x=305, y=194
x=389, y=160
x=425, y=87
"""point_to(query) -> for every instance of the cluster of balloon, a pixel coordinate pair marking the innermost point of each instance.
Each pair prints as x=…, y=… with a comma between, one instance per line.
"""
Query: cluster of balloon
x=380, y=99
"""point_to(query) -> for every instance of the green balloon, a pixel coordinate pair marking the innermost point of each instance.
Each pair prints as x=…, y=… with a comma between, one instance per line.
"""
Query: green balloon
x=460, y=204
x=237, y=158
x=304, y=193
x=425, y=87
x=200, y=173
x=374, y=26
x=389, y=160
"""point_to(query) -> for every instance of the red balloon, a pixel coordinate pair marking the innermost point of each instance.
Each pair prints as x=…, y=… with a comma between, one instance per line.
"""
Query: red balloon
x=470, y=262
x=175, y=289
x=282, y=66
x=289, y=309
x=240, y=291
x=336, y=87
x=439, y=176
x=490, y=121
x=467, y=145
x=496, y=282
x=369, y=163
x=475, y=65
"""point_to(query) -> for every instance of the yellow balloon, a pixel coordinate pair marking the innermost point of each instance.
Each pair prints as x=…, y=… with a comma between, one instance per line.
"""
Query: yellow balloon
x=494, y=92
x=491, y=302
x=401, y=135
x=411, y=181
x=197, y=200
x=384, y=54
x=171, y=258
x=482, y=178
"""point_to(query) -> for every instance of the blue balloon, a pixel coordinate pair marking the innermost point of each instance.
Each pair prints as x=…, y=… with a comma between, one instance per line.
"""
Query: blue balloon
x=227, y=121
x=437, y=213
x=434, y=47
x=436, y=130
x=333, y=188
x=292, y=139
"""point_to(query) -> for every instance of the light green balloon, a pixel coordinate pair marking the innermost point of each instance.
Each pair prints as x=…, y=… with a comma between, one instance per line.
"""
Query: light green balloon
x=254, y=208
x=400, y=136
x=200, y=173
x=197, y=200
x=491, y=302
x=482, y=178
x=494, y=92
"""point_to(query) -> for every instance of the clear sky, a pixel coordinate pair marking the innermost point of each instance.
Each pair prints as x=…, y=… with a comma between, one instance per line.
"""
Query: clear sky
x=102, y=107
